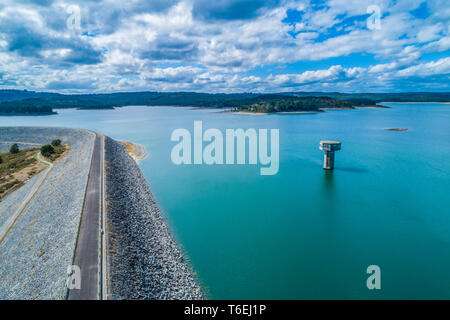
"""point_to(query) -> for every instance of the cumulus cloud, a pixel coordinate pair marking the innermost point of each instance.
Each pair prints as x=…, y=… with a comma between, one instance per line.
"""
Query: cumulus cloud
x=439, y=67
x=223, y=46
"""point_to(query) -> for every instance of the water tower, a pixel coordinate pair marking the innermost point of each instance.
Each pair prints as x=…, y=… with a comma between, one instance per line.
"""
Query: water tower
x=329, y=147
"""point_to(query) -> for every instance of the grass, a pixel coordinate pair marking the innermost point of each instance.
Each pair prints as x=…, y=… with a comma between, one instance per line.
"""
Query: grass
x=13, y=162
x=17, y=168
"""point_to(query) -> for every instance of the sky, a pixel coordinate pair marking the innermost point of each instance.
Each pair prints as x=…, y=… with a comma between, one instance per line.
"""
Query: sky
x=226, y=46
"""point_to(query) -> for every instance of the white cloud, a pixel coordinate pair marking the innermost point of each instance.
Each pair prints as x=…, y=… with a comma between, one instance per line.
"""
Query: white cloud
x=167, y=45
x=429, y=33
x=439, y=67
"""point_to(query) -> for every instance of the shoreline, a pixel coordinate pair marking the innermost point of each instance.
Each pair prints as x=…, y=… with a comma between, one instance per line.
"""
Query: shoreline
x=136, y=151
x=268, y=113
x=28, y=114
x=446, y=102
x=373, y=107
x=345, y=108
x=320, y=110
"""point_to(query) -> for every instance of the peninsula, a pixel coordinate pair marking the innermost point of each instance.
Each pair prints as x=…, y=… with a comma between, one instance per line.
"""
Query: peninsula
x=290, y=104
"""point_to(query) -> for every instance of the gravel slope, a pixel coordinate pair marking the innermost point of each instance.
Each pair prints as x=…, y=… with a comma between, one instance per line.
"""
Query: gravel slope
x=143, y=259
x=13, y=201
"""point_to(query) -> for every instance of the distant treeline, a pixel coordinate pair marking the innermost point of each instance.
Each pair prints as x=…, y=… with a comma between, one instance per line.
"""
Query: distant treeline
x=30, y=102
x=10, y=95
x=28, y=106
x=382, y=97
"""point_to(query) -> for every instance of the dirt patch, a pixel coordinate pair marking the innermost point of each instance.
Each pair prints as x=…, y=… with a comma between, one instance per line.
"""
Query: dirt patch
x=136, y=151
x=17, y=168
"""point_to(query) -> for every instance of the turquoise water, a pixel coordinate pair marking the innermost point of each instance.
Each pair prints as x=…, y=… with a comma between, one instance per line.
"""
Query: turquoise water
x=303, y=233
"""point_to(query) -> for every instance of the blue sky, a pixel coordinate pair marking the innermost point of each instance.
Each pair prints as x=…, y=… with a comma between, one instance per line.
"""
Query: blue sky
x=225, y=45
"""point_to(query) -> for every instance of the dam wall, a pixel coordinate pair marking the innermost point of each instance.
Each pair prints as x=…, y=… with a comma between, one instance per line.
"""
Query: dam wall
x=37, y=250
x=143, y=260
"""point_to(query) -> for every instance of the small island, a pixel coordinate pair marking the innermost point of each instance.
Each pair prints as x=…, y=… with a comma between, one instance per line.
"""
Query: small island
x=312, y=104
x=396, y=129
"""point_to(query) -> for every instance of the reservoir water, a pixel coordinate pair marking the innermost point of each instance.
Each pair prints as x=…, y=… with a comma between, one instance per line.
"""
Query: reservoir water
x=304, y=233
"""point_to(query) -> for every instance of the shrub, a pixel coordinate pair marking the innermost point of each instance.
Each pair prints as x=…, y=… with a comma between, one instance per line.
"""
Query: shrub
x=47, y=150
x=56, y=142
x=12, y=165
x=14, y=148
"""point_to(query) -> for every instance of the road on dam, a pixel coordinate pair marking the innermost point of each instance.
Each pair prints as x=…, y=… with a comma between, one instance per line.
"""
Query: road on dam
x=89, y=251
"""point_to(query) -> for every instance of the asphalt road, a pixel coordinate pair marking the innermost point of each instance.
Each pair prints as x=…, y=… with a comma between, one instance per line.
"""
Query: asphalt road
x=88, y=243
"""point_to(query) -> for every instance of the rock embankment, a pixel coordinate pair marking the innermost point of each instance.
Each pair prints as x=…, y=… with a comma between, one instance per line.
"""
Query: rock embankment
x=144, y=261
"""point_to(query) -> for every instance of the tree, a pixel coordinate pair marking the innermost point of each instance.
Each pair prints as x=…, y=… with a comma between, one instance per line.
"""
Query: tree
x=56, y=142
x=47, y=150
x=14, y=148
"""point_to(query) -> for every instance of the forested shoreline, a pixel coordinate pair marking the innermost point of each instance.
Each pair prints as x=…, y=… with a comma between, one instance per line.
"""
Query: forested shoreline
x=32, y=103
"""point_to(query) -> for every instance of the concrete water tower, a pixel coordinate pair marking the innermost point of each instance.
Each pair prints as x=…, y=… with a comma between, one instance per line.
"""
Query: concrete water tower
x=329, y=147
